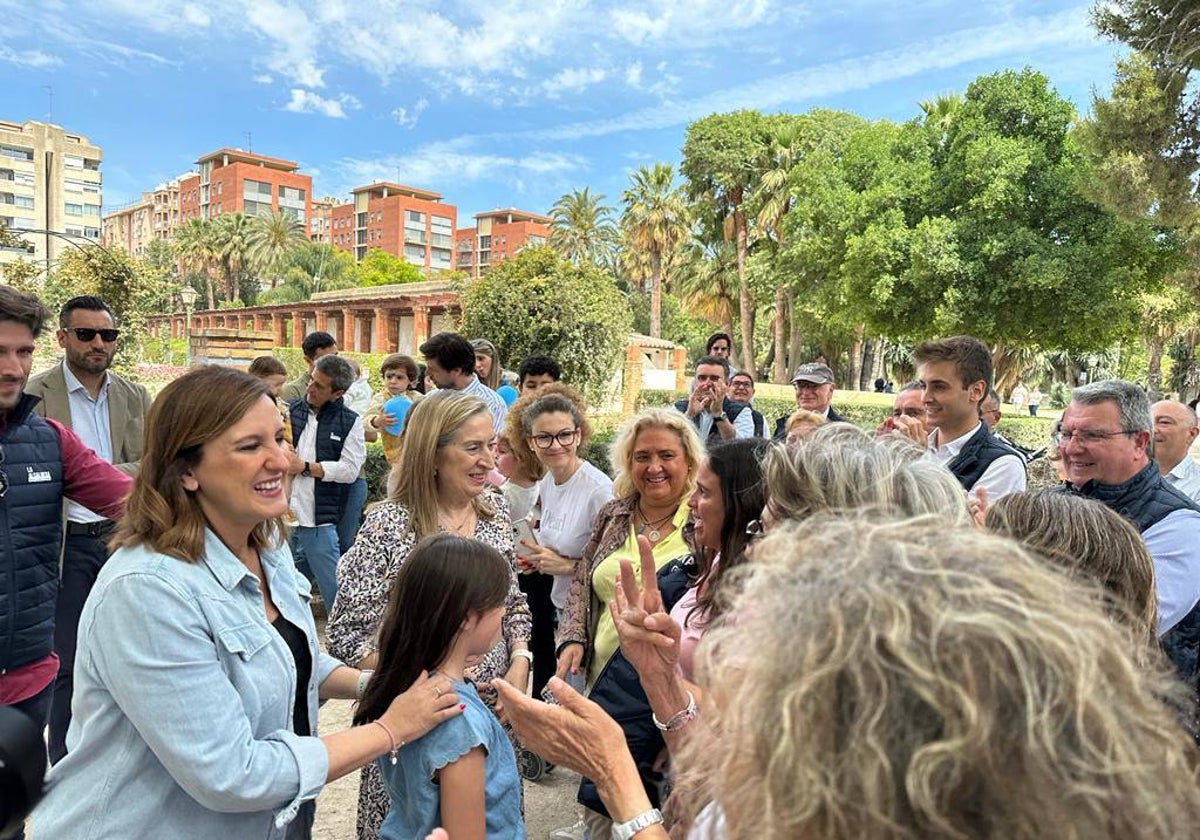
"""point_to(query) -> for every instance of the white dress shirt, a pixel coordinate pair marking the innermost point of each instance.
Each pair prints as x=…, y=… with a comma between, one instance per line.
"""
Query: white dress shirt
x=1003, y=476
x=343, y=471
x=89, y=420
x=1185, y=477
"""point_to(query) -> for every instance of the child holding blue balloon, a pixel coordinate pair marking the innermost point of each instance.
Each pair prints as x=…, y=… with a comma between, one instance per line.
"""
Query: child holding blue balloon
x=384, y=419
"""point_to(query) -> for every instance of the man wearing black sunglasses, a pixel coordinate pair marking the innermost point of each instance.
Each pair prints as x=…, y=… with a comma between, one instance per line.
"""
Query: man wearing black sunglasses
x=108, y=412
x=41, y=462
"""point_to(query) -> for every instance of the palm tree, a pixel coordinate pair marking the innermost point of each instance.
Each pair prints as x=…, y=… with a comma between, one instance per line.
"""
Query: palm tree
x=582, y=229
x=706, y=280
x=774, y=197
x=655, y=224
x=195, y=245
x=273, y=236
x=233, y=242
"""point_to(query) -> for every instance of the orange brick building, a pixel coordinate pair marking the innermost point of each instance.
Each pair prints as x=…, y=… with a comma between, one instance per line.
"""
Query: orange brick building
x=497, y=235
x=233, y=181
x=409, y=223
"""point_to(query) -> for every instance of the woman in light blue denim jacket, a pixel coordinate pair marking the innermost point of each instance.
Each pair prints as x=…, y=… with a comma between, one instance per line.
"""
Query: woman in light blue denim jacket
x=198, y=673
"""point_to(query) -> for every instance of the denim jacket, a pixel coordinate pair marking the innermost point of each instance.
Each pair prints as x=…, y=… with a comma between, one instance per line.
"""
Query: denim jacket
x=182, y=722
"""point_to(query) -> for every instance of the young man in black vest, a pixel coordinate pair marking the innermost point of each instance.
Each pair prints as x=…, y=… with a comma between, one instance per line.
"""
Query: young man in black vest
x=955, y=374
x=329, y=453
x=1105, y=444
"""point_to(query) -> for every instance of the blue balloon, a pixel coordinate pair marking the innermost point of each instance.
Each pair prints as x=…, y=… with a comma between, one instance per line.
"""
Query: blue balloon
x=397, y=407
x=507, y=393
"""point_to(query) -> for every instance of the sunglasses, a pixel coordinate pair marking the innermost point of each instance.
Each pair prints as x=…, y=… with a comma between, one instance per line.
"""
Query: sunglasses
x=88, y=334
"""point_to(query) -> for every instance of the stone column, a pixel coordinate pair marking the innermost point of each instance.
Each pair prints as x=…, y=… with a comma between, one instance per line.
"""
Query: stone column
x=348, y=341
x=297, y=328
x=380, y=340
x=279, y=325
x=322, y=323
x=631, y=379
x=420, y=325
x=679, y=365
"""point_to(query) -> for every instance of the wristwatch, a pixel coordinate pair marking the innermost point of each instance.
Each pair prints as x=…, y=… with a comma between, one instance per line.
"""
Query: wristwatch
x=307, y=471
x=720, y=418
x=626, y=830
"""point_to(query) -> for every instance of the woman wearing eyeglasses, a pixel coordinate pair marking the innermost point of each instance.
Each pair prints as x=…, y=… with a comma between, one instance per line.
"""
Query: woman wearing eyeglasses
x=572, y=492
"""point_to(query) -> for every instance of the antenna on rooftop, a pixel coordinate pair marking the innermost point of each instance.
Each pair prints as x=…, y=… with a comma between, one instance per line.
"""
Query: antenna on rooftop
x=50, y=96
x=250, y=141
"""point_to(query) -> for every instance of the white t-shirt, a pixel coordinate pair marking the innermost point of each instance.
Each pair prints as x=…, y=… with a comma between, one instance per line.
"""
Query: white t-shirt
x=568, y=511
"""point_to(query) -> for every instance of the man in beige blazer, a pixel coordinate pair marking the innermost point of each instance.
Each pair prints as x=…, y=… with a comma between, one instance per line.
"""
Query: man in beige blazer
x=108, y=412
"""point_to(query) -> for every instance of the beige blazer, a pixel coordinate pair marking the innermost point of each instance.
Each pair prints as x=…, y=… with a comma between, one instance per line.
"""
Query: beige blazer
x=128, y=405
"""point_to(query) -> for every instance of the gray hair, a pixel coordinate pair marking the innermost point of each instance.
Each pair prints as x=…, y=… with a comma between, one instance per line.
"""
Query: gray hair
x=1131, y=401
x=341, y=375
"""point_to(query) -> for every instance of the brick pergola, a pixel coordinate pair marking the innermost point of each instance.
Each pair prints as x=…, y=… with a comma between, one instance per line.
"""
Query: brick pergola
x=383, y=319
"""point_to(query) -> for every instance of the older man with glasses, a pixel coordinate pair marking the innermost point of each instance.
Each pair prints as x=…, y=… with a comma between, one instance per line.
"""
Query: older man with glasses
x=741, y=391
x=1105, y=443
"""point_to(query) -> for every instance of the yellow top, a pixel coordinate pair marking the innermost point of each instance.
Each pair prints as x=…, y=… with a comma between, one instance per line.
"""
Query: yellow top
x=604, y=578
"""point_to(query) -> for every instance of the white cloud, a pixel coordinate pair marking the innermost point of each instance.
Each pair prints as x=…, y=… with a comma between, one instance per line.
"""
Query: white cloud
x=407, y=117
x=443, y=165
x=633, y=74
x=295, y=38
x=264, y=78
x=572, y=80
x=307, y=102
x=1016, y=36
x=686, y=21
x=28, y=58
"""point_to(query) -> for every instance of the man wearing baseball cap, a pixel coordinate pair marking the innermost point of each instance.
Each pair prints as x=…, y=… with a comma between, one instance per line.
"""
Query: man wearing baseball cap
x=813, y=382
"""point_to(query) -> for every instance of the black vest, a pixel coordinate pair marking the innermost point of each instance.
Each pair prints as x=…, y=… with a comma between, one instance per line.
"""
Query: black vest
x=781, y=424
x=1145, y=500
x=977, y=454
x=334, y=422
x=30, y=535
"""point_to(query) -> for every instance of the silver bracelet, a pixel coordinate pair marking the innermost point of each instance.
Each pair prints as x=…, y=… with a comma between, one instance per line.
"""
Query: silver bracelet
x=626, y=830
x=679, y=719
x=364, y=676
x=527, y=655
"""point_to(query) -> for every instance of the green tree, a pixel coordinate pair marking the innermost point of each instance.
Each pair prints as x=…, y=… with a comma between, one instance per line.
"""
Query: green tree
x=539, y=303
x=654, y=224
x=582, y=228
x=719, y=156
x=22, y=275
x=195, y=244
x=233, y=233
x=271, y=239
x=379, y=268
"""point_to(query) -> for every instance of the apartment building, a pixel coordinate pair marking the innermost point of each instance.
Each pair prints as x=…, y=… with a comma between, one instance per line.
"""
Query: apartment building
x=411, y=223
x=497, y=235
x=233, y=181
x=155, y=215
x=49, y=180
x=322, y=217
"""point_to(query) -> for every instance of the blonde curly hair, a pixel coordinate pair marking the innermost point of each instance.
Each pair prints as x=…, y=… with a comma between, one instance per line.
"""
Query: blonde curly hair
x=903, y=679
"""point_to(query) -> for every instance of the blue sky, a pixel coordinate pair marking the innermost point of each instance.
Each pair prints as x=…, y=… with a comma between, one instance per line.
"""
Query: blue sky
x=495, y=103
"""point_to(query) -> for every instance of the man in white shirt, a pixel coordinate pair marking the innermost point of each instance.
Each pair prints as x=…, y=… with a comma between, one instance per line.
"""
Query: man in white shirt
x=450, y=363
x=955, y=374
x=1174, y=433
x=715, y=415
x=329, y=452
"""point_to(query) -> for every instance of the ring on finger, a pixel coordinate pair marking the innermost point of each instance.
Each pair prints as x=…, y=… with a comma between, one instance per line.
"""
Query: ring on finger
x=437, y=691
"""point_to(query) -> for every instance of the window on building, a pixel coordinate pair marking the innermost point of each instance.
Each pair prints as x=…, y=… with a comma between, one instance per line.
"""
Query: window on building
x=292, y=212
x=256, y=208
x=439, y=258
x=291, y=195
x=16, y=152
x=21, y=224
x=256, y=190
x=415, y=254
x=485, y=243
x=91, y=209
x=91, y=232
x=414, y=216
x=72, y=209
x=360, y=220
x=71, y=161
x=74, y=230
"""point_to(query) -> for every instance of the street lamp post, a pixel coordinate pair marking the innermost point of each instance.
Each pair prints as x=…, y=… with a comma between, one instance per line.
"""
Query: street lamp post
x=188, y=295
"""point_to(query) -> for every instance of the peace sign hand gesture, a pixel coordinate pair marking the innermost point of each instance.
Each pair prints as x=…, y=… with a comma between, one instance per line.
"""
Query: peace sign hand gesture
x=649, y=636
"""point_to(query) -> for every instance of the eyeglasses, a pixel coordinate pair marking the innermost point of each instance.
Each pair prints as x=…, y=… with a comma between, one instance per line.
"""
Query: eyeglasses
x=1084, y=436
x=88, y=334
x=741, y=383
x=3, y=475
x=754, y=528
x=564, y=438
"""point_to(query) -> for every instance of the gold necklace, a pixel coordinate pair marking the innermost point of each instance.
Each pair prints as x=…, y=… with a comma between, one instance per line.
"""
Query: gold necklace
x=457, y=528
x=654, y=527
